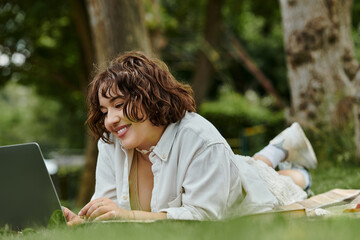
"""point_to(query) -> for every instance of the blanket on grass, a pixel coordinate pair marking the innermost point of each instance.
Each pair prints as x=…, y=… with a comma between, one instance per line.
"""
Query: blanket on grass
x=332, y=203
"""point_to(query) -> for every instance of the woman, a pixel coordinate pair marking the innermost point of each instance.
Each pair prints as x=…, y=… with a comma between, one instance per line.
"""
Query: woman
x=158, y=159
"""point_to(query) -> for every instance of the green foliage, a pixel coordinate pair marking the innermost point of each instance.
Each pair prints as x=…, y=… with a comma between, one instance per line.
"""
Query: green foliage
x=43, y=37
x=248, y=122
x=27, y=117
x=20, y=109
x=335, y=146
x=56, y=219
x=232, y=112
x=69, y=179
x=257, y=25
x=6, y=231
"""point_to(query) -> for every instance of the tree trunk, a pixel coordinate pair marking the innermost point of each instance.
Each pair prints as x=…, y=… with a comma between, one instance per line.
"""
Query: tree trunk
x=82, y=27
x=204, y=73
x=87, y=184
x=117, y=26
x=322, y=70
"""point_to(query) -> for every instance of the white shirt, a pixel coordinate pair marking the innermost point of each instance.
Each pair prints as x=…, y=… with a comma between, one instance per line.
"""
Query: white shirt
x=196, y=174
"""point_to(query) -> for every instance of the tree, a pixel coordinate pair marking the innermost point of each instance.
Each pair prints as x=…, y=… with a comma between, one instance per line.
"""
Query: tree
x=43, y=42
x=116, y=26
x=323, y=72
x=205, y=67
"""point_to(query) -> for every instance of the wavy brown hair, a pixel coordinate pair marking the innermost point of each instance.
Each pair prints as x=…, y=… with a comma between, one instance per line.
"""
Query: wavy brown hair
x=148, y=89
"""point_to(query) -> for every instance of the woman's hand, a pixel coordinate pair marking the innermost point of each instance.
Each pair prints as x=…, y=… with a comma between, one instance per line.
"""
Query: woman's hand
x=104, y=209
x=71, y=218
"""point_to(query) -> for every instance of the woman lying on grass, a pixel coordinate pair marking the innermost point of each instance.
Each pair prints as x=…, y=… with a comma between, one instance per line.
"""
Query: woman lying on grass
x=158, y=159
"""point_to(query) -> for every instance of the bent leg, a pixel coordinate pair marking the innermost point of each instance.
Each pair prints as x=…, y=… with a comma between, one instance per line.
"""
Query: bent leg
x=264, y=159
x=297, y=177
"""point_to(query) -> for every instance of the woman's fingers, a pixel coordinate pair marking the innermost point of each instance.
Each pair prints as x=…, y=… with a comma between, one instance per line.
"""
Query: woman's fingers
x=103, y=208
x=91, y=206
x=95, y=206
x=68, y=214
x=98, y=212
x=107, y=216
x=71, y=218
x=106, y=212
x=110, y=212
x=98, y=209
x=75, y=221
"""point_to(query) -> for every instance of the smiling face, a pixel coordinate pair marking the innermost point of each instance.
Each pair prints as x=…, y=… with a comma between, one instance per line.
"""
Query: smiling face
x=149, y=95
x=132, y=134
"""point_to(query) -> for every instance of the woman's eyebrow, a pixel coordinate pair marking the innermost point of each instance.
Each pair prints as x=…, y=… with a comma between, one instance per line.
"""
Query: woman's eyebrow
x=114, y=98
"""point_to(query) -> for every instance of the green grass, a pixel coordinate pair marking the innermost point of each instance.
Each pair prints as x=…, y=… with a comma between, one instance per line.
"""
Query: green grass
x=251, y=227
x=268, y=227
x=327, y=178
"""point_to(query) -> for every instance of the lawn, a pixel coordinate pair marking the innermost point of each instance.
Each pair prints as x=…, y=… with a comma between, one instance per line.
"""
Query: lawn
x=251, y=227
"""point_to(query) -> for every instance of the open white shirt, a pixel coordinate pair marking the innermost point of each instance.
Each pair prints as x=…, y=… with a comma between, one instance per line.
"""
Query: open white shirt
x=196, y=174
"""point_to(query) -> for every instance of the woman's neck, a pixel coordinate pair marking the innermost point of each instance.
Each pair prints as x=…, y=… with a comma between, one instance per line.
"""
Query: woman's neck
x=153, y=138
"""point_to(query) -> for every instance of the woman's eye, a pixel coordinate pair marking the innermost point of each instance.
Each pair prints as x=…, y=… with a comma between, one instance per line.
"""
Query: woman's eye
x=104, y=113
x=119, y=105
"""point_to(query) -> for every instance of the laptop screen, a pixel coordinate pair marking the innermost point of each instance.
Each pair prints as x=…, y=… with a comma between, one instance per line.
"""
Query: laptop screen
x=27, y=194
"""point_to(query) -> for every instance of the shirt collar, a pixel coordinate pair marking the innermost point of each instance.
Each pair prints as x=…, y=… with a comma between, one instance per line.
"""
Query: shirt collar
x=163, y=147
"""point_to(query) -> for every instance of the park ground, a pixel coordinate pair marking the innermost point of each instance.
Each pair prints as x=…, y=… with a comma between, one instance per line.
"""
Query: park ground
x=269, y=226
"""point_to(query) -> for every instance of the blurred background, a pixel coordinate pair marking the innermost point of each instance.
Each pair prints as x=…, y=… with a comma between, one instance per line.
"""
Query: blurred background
x=255, y=66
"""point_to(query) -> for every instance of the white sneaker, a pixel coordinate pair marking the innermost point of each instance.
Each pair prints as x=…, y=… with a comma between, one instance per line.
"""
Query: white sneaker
x=296, y=146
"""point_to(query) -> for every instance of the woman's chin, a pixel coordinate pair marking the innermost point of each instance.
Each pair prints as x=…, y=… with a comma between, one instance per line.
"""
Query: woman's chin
x=127, y=145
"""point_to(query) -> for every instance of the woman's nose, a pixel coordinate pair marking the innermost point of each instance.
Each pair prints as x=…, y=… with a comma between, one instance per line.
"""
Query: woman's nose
x=113, y=117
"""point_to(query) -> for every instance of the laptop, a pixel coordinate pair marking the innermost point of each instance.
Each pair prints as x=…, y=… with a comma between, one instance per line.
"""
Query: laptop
x=28, y=198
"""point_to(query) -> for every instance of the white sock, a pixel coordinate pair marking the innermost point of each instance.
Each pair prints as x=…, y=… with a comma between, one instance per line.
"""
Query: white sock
x=274, y=154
